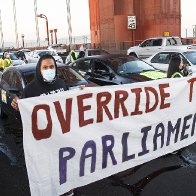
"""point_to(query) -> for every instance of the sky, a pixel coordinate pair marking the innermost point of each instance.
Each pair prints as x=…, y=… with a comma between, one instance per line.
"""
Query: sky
x=56, y=12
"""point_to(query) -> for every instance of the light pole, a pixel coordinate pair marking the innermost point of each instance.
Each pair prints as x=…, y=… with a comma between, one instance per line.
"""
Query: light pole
x=55, y=34
x=47, y=31
x=51, y=34
x=22, y=36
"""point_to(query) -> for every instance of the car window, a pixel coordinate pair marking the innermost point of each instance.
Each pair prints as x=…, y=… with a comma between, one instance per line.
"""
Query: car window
x=191, y=56
x=147, y=43
x=29, y=76
x=16, y=81
x=70, y=76
x=13, y=56
x=7, y=77
x=83, y=66
x=133, y=66
x=173, y=41
x=162, y=58
x=99, y=68
x=157, y=42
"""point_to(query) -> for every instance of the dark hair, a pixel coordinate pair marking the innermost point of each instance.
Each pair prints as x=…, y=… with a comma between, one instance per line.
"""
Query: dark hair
x=81, y=54
x=174, y=65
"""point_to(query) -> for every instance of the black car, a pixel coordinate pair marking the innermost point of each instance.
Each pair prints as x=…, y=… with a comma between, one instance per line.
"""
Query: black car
x=114, y=69
x=15, y=78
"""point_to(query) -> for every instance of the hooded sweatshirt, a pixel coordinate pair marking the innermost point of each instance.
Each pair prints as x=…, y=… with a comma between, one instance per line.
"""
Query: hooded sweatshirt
x=39, y=87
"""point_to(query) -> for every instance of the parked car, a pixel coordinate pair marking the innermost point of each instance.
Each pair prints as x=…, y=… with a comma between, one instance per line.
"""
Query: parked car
x=160, y=60
x=34, y=55
x=156, y=44
x=115, y=69
x=14, y=59
x=87, y=53
x=15, y=78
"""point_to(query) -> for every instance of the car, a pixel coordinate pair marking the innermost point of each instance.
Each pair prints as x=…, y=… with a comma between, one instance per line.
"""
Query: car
x=152, y=45
x=34, y=55
x=113, y=69
x=15, y=78
x=87, y=53
x=14, y=59
x=160, y=60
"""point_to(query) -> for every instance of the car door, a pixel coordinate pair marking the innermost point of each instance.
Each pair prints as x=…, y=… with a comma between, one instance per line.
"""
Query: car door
x=83, y=66
x=149, y=47
x=14, y=88
x=5, y=86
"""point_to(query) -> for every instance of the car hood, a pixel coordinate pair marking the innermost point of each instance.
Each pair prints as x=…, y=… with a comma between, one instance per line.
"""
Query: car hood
x=146, y=76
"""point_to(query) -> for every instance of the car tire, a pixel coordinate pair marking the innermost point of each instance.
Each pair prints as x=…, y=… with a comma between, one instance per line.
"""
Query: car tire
x=2, y=113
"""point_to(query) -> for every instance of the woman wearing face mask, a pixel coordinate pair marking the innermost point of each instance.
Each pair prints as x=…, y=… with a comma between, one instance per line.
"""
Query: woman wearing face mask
x=45, y=82
x=177, y=69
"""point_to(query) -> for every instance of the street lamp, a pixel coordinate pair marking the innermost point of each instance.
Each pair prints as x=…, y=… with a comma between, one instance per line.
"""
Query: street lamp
x=22, y=36
x=55, y=34
x=45, y=17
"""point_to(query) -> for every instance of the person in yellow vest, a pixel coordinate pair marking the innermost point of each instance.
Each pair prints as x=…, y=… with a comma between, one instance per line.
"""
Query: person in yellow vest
x=177, y=68
x=6, y=60
x=1, y=64
x=72, y=56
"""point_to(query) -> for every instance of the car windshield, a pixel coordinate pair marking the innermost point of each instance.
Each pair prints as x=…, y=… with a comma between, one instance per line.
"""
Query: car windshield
x=71, y=77
x=127, y=65
x=191, y=56
x=13, y=56
x=51, y=52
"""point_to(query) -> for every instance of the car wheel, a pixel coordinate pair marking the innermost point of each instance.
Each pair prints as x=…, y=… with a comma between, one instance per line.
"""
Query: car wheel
x=2, y=113
x=133, y=54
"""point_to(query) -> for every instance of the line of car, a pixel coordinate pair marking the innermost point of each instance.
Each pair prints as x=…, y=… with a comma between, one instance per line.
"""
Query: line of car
x=111, y=69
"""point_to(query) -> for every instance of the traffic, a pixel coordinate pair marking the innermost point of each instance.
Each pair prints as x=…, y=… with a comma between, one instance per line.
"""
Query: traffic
x=94, y=107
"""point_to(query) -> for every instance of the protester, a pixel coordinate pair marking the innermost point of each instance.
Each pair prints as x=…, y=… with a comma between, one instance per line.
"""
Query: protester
x=1, y=64
x=81, y=54
x=46, y=82
x=6, y=60
x=72, y=56
x=177, y=68
x=21, y=55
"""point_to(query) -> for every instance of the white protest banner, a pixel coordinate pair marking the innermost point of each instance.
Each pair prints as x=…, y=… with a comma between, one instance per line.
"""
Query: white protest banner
x=77, y=137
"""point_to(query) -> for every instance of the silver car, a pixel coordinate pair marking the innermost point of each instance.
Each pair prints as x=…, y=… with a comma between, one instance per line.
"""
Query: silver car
x=160, y=60
x=34, y=55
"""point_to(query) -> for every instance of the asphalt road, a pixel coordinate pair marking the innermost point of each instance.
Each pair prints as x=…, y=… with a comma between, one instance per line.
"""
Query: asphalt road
x=170, y=175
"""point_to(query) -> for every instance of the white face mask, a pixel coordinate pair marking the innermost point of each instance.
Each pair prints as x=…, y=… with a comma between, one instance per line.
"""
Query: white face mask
x=49, y=75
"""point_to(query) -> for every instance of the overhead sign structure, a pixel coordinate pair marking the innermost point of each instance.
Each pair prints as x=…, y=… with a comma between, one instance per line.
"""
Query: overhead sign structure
x=131, y=22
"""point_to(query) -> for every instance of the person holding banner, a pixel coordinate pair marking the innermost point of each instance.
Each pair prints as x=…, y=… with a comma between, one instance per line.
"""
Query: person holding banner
x=177, y=68
x=45, y=82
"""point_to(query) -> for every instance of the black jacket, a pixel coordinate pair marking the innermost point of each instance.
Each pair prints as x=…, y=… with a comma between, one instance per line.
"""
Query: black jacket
x=39, y=87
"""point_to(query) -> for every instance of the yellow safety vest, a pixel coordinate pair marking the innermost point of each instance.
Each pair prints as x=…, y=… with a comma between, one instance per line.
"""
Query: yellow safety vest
x=6, y=63
x=71, y=57
x=1, y=64
x=179, y=75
